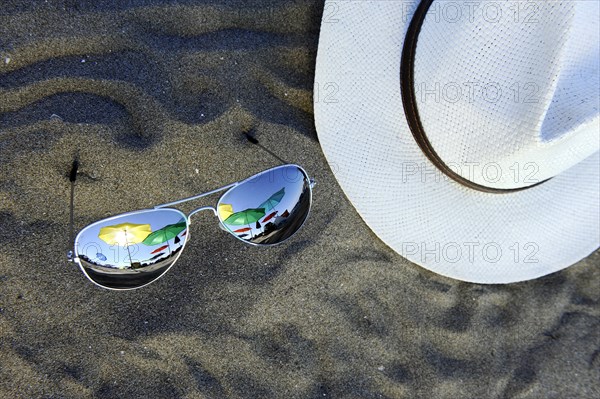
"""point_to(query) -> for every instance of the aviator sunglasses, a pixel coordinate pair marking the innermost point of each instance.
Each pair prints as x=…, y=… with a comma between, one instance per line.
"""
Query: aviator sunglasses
x=134, y=249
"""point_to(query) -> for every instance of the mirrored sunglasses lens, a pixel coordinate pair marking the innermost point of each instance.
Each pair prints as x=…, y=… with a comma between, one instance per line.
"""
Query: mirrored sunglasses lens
x=131, y=250
x=268, y=208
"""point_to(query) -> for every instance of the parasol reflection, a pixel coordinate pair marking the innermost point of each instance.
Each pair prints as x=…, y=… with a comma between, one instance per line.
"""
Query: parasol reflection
x=268, y=208
x=132, y=249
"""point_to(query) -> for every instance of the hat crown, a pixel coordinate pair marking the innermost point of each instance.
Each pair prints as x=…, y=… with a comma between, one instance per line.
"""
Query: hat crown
x=509, y=97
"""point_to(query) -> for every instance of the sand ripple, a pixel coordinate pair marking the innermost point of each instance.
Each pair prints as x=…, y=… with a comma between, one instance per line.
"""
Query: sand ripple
x=155, y=96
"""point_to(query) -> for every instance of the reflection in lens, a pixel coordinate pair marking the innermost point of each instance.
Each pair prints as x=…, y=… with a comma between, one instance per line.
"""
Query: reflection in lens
x=131, y=250
x=268, y=208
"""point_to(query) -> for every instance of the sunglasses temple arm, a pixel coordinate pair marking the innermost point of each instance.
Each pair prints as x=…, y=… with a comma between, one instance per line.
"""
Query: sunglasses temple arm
x=72, y=178
x=254, y=141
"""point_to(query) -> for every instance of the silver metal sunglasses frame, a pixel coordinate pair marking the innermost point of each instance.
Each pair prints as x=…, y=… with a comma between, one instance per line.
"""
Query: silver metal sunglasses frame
x=227, y=189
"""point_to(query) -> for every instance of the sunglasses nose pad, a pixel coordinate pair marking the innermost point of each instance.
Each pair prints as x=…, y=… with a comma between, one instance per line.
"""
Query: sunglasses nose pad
x=267, y=208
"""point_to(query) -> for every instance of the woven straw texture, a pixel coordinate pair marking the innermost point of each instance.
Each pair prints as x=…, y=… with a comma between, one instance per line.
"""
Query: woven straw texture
x=429, y=219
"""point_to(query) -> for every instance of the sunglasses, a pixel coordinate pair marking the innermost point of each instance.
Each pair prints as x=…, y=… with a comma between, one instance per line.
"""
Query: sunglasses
x=134, y=249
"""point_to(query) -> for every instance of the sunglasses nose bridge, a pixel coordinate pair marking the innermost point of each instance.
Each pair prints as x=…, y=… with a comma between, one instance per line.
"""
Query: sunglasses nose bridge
x=204, y=208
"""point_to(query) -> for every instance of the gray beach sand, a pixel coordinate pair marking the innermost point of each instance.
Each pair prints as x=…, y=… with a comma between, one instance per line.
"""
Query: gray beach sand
x=155, y=97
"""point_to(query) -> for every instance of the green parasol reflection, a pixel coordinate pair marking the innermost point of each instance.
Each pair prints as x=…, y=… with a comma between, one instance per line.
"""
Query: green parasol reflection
x=245, y=217
x=165, y=234
x=253, y=215
x=273, y=200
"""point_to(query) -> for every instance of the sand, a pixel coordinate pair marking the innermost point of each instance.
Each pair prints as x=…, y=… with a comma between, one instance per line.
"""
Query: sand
x=155, y=97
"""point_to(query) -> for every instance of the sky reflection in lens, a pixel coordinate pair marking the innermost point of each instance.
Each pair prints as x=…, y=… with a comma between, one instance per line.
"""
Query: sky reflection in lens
x=105, y=244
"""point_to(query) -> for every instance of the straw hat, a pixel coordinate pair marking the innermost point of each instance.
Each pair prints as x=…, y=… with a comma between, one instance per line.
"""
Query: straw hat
x=466, y=134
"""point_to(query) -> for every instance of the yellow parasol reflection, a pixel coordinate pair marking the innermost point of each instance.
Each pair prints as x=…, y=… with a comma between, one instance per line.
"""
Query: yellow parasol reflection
x=225, y=210
x=124, y=235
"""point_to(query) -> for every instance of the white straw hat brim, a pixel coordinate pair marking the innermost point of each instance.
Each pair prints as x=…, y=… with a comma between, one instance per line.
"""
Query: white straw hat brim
x=420, y=213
